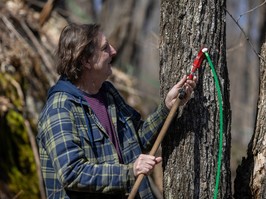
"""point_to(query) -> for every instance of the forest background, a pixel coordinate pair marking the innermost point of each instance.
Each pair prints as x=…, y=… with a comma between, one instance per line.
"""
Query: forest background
x=27, y=47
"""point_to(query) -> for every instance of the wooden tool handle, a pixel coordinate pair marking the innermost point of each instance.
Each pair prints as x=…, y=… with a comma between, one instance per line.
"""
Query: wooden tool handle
x=156, y=145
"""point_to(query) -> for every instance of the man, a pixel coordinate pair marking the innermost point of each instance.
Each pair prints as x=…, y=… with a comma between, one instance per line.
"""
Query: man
x=90, y=141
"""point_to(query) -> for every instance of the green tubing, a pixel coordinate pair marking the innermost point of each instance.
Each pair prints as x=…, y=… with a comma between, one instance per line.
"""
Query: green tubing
x=217, y=85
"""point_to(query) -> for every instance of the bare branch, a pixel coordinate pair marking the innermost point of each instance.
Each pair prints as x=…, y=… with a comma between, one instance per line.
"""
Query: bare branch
x=36, y=157
x=40, y=50
x=247, y=38
x=236, y=47
x=251, y=10
x=11, y=27
x=46, y=12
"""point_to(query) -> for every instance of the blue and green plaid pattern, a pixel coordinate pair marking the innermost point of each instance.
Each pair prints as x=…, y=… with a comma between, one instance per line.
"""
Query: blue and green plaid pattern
x=75, y=151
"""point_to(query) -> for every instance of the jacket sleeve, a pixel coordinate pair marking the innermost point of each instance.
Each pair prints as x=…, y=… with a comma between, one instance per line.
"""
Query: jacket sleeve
x=60, y=140
x=149, y=129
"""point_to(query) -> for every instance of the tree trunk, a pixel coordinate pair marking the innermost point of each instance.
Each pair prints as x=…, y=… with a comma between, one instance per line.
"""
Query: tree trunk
x=262, y=24
x=251, y=174
x=190, y=149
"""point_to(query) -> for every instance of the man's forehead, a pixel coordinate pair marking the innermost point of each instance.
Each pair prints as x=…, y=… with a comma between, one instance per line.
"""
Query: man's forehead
x=102, y=38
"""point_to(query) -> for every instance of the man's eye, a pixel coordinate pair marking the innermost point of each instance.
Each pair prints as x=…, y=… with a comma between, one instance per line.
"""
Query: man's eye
x=104, y=47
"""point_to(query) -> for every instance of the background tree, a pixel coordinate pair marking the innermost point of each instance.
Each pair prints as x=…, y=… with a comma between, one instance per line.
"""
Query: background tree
x=251, y=174
x=190, y=148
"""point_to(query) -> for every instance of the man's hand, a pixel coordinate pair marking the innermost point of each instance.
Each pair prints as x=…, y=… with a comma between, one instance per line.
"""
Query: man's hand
x=145, y=164
x=188, y=86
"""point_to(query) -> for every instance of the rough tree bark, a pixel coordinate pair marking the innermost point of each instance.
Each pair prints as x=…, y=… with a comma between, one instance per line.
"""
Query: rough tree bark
x=190, y=149
x=250, y=181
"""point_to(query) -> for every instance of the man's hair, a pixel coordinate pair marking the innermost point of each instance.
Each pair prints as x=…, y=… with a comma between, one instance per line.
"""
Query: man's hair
x=76, y=43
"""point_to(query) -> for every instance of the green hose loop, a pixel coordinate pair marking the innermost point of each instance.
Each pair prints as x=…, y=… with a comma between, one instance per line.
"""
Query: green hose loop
x=217, y=85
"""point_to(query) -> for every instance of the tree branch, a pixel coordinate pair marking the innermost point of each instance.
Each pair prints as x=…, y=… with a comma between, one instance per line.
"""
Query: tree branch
x=247, y=38
x=251, y=10
x=36, y=157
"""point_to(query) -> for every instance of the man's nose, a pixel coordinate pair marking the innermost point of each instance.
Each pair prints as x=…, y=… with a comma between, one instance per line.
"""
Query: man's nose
x=112, y=51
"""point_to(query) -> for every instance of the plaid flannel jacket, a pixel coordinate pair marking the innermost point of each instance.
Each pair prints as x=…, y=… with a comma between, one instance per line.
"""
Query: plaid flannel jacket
x=77, y=156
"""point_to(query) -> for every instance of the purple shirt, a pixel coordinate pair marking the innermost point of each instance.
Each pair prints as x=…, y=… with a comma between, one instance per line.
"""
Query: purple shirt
x=98, y=103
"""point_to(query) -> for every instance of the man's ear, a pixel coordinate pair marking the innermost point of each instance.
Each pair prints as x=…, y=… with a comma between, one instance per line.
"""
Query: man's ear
x=86, y=63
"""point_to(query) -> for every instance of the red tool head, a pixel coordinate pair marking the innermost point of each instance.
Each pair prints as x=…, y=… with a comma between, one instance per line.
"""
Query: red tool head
x=197, y=62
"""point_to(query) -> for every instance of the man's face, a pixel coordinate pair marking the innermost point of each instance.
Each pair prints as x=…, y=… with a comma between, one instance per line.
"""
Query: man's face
x=103, y=56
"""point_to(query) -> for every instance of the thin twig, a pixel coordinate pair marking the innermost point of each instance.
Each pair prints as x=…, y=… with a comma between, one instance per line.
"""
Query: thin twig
x=40, y=50
x=17, y=87
x=46, y=11
x=235, y=47
x=11, y=27
x=251, y=10
x=247, y=38
x=18, y=194
x=36, y=157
